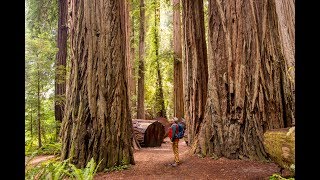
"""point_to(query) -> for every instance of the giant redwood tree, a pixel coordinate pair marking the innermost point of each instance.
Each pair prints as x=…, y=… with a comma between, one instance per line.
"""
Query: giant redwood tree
x=195, y=65
x=250, y=90
x=141, y=70
x=60, y=77
x=177, y=64
x=97, y=120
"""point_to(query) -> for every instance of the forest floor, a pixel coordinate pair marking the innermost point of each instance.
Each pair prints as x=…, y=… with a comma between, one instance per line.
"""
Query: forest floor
x=153, y=163
x=38, y=159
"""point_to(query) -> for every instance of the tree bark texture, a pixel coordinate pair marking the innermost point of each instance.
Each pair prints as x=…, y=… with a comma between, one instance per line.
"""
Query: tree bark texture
x=196, y=68
x=129, y=57
x=165, y=123
x=178, y=78
x=149, y=133
x=140, y=105
x=133, y=85
x=60, y=71
x=249, y=88
x=97, y=121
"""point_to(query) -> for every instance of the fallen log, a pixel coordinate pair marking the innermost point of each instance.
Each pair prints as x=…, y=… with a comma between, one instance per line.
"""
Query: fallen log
x=149, y=133
x=280, y=145
x=165, y=122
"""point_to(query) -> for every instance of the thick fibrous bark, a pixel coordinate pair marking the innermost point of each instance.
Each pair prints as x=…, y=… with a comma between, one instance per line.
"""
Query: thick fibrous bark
x=129, y=57
x=60, y=76
x=249, y=87
x=140, y=102
x=196, y=71
x=178, y=80
x=97, y=121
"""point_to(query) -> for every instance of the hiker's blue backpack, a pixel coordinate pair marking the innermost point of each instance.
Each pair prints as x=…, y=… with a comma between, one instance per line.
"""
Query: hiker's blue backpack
x=179, y=131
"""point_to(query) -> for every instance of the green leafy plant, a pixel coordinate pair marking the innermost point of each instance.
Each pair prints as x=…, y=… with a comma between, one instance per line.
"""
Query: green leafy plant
x=51, y=169
x=46, y=149
x=278, y=177
x=87, y=173
x=56, y=170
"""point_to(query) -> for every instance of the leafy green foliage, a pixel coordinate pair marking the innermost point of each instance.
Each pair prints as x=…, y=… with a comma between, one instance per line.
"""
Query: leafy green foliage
x=278, y=177
x=87, y=173
x=40, y=53
x=160, y=39
x=41, y=16
x=158, y=55
x=46, y=149
x=57, y=170
x=51, y=169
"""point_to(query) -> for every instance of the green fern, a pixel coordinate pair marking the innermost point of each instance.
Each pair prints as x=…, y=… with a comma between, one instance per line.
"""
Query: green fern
x=56, y=170
x=278, y=177
x=87, y=173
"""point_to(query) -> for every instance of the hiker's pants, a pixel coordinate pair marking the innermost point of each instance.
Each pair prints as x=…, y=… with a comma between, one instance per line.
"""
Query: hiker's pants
x=176, y=150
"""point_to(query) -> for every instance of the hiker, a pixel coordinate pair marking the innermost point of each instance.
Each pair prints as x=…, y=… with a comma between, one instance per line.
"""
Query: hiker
x=175, y=140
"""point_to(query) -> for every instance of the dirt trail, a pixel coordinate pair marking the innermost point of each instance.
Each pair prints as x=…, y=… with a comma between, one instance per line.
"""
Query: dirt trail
x=38, y=159
x=152, y=163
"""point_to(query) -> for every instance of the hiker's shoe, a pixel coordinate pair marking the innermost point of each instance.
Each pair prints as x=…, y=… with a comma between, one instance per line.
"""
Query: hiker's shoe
x=174, y=165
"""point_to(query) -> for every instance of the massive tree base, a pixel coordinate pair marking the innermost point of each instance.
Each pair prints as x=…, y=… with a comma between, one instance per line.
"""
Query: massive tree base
x=250, y=90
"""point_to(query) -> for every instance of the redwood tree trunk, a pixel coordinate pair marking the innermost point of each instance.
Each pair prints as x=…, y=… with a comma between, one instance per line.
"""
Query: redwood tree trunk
x=31, y=122
x=60, y=76
x=196, y=75
x=97, y=120
x=140, y=106
x=39, y=108
x=249, y=89
x=60, y=71
x=129, y=62
x=178, y=79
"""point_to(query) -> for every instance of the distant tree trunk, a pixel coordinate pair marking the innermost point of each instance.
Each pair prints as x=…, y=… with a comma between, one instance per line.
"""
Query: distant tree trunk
x=161, y=112
x=195, y=65
x=60, y=71
x=178, y=79
x=140, y=106
x=132, y=83
x=129, y=62
x=31, y=122
x=97, y=121
x=38, y=107
x=249, y=90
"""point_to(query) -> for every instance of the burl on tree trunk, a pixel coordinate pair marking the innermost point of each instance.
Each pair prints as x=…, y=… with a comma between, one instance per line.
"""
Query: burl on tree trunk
x=149, y=133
